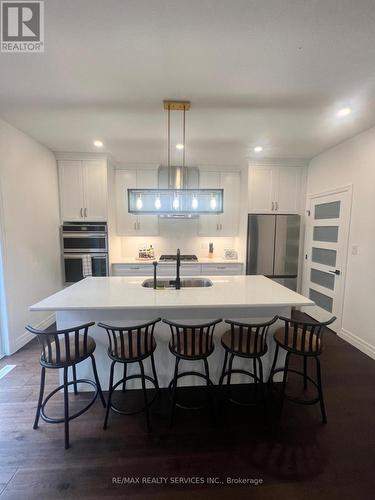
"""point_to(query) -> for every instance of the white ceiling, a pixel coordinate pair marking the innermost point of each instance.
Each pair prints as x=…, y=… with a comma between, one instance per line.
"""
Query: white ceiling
x=268, y=72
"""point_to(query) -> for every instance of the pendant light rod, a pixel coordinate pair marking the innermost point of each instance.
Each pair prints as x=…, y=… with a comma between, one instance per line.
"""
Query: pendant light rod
x=183, y=140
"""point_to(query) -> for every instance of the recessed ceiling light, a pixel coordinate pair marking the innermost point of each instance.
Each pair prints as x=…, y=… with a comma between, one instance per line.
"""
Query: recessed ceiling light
x=98, y=144
x=179, y=146
x=344, y=112
x=258, y=149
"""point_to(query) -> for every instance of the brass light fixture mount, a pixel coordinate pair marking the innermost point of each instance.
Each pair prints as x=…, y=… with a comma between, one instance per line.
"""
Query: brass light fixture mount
x=176, y=105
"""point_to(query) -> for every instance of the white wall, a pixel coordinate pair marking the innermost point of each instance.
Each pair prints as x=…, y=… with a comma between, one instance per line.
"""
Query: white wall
x=353, y=162
x=29, y=217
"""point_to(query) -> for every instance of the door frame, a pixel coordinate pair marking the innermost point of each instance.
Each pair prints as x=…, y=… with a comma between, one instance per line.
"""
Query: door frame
x=348, y=188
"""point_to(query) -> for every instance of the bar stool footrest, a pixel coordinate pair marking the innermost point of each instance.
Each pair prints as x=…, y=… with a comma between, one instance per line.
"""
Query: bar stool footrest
x=243, y=372
x=291, y=398
x=185, y=374
x=132, y=377
x=53, y=420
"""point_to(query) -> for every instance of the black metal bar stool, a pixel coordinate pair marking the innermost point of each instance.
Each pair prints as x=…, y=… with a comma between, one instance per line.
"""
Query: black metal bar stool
x=64, y=349
x=131, y=344
x=301, y=338
x=245, y=341
x=191, y=343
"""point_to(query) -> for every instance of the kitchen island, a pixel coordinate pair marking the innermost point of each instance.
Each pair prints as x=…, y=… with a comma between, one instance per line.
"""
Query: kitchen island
x=124, y=301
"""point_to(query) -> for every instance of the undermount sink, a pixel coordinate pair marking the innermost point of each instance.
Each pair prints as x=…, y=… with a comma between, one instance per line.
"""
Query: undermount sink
x=185, y=283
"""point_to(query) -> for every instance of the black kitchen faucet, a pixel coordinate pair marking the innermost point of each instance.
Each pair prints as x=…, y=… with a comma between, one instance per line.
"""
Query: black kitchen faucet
x=177, y=281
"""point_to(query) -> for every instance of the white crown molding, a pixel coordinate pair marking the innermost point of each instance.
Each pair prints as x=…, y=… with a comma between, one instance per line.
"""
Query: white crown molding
x=278, y=162
x=61, y=155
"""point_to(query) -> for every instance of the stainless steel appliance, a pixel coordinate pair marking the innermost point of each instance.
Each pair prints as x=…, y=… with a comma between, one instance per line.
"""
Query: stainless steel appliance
x=273, y=247
x=85, y=250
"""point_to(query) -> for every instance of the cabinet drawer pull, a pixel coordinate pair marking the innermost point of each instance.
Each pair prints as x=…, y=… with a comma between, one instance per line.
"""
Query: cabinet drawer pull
x=221, y=267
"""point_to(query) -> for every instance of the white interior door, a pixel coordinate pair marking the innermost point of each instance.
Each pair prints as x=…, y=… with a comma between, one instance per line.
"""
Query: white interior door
x=326, y=245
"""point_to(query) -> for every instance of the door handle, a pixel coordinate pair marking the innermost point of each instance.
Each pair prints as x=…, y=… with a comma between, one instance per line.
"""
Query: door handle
x=85, y=211
x=336, y=271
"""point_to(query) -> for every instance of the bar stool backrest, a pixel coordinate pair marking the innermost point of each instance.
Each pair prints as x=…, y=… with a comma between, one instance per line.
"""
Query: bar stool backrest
x=249, y=338
x=131, y=342
x=304, y=336
x=62, y=347
x=192, y=341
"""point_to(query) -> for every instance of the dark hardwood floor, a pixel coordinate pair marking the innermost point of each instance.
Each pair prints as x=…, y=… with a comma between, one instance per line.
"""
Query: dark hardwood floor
x=300, y=458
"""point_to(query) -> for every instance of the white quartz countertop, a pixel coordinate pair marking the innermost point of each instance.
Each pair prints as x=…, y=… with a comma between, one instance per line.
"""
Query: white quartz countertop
x=128, y=293
x=201, y=260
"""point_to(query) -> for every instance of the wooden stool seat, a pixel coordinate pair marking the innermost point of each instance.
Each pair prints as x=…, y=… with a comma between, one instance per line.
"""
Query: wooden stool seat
x=301, y=341
x=59, y=352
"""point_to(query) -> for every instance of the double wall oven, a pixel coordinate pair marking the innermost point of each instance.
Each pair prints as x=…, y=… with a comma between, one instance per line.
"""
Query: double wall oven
x=85, y=250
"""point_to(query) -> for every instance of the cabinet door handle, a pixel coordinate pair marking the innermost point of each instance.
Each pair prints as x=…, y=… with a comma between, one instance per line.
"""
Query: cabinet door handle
x=85, y=211
x=217, y=227
x=135, y=226
x=273, y=206
x=277, y=205
x=139, y=225
x=81, y=212
x=221, y=227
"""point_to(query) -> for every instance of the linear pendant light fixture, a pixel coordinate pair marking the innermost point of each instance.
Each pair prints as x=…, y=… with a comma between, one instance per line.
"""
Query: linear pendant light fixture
x=176, y=200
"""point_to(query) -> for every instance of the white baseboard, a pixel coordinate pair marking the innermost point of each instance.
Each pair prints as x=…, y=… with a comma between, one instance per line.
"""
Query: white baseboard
x=357, y=342
x=27, y=336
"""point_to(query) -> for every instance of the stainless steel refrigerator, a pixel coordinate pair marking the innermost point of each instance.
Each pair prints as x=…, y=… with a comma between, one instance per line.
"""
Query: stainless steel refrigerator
x=273, y=247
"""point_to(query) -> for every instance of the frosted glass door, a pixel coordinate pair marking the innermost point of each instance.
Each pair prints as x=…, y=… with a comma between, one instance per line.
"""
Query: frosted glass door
x=325, y=256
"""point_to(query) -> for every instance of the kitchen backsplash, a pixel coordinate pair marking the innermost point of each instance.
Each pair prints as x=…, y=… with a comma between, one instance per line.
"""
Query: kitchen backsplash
x=173, y=234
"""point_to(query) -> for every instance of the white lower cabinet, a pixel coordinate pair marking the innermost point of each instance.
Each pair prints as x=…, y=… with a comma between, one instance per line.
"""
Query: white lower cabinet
x=208, y=269
x=222, y=269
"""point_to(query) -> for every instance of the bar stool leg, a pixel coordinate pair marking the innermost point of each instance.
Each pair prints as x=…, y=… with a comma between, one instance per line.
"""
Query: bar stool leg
x=255, y=379
x=97, y=379
x=273, y=363
x=209, y=388
x=230, y=369
x=145, y=395
x=285, y=376
x=66, y=408
x=40, y=400
x=124, y=382
x=305, y=372
x=74, y=379
x=224, y=366
x=263, y=391
x=154, y=372
x=320, y=390
x=109, y=395
x=174, y=390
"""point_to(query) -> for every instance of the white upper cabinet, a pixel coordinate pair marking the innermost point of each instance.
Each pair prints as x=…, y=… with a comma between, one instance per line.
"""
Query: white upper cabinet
x=227, y=223
x=130, y=224
x=274, y=189
x=83, y=190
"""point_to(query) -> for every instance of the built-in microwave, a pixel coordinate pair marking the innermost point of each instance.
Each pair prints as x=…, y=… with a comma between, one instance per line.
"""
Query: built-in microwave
x=84, y=238
x=78, y=266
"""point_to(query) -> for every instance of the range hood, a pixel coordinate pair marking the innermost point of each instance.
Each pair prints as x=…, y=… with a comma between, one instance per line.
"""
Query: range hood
x=178, y=194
